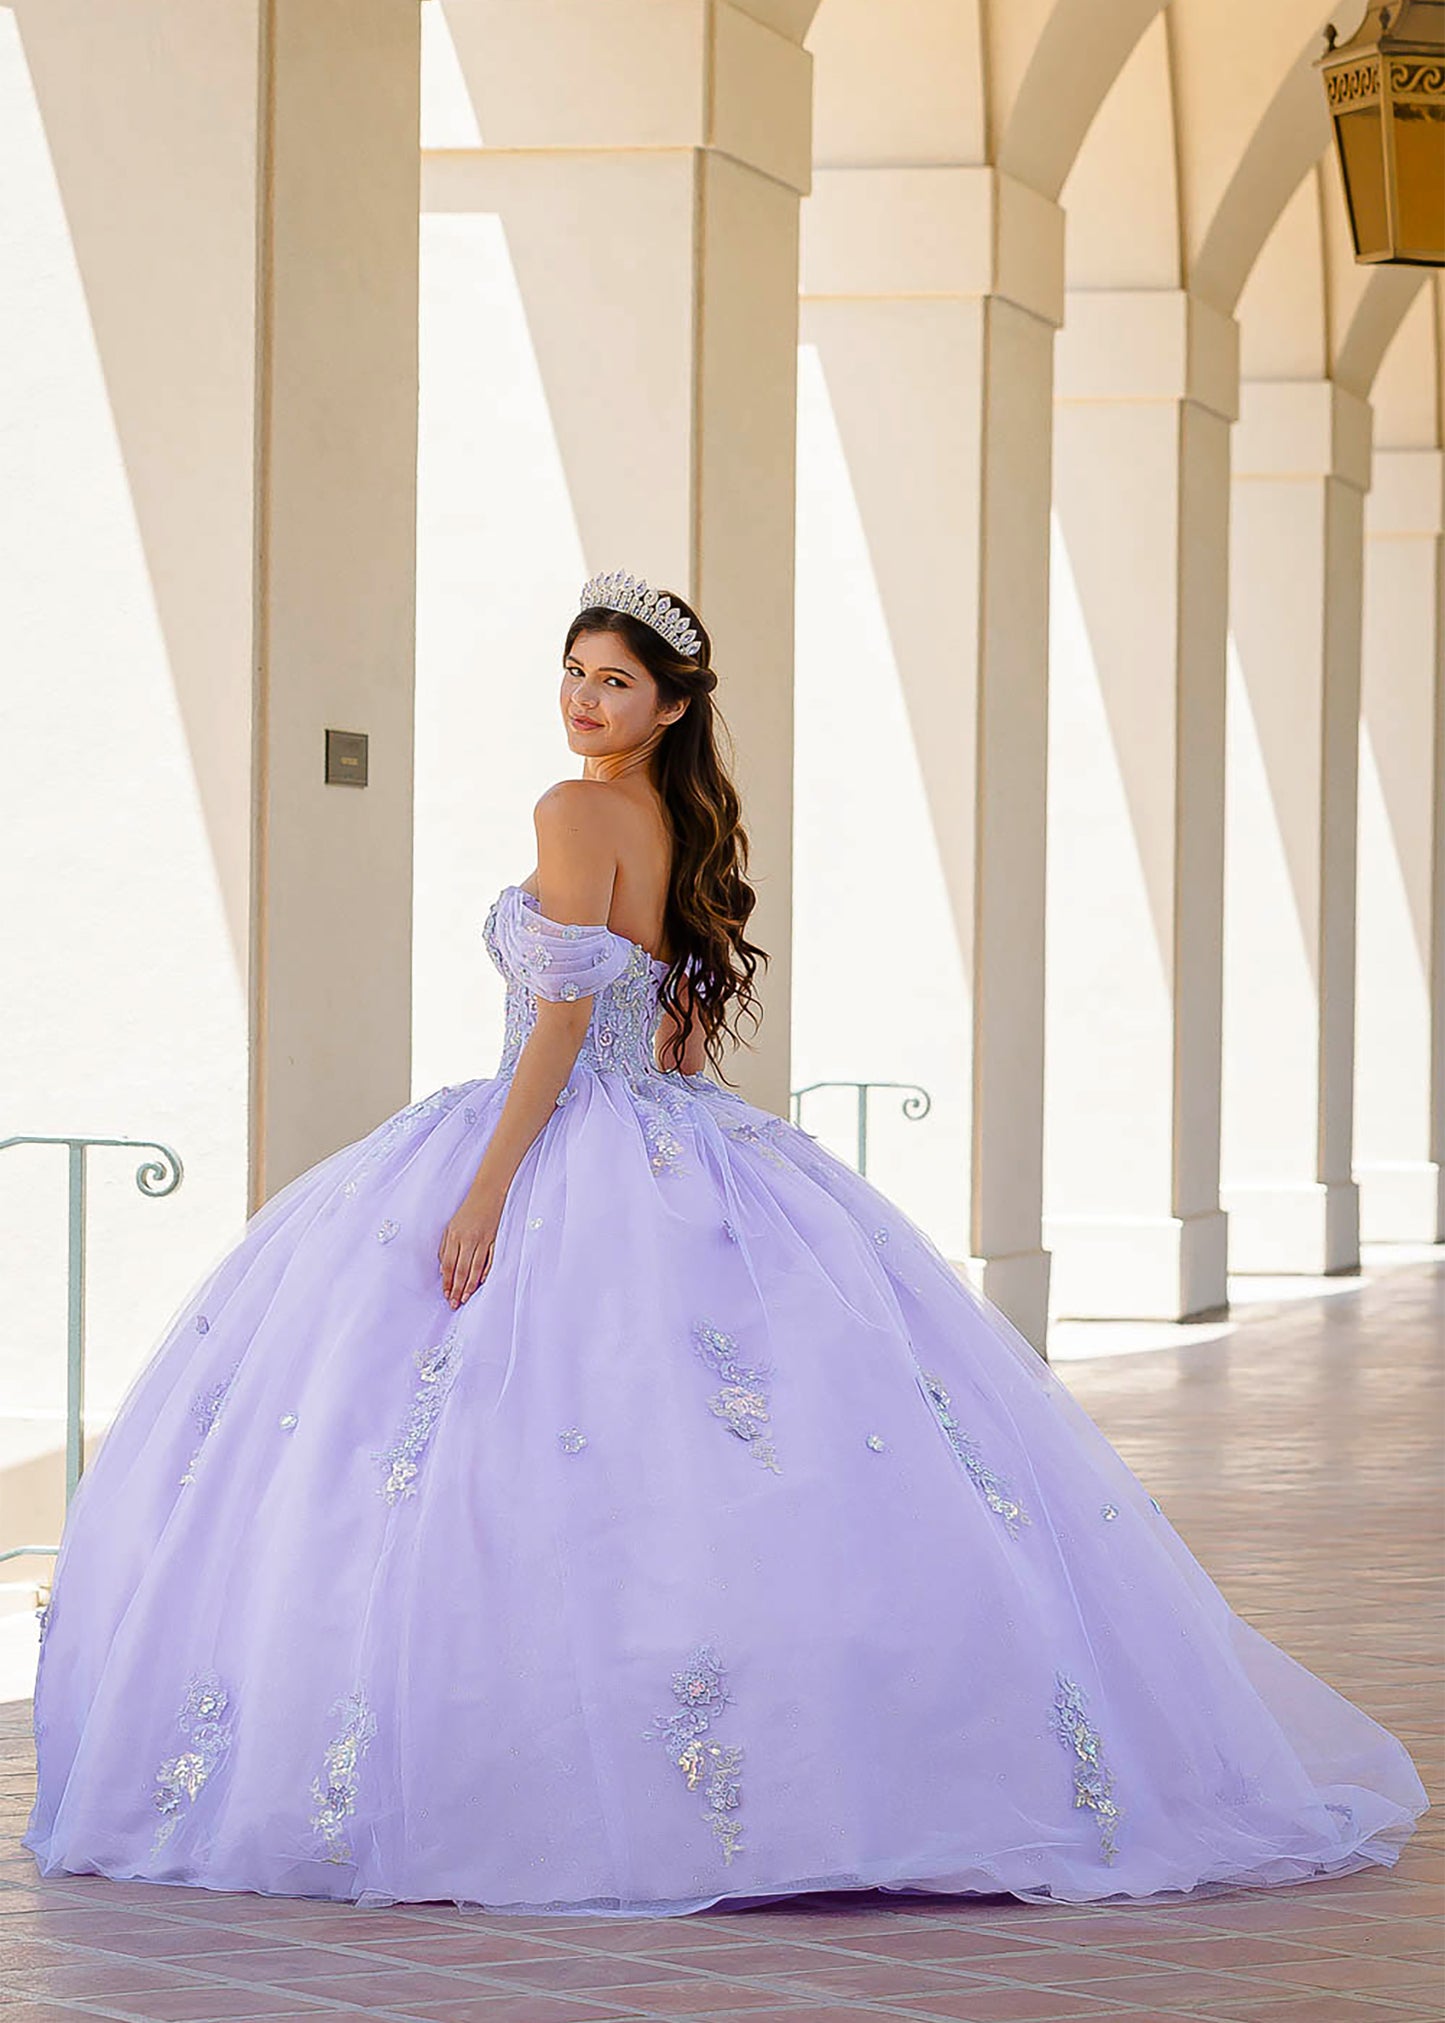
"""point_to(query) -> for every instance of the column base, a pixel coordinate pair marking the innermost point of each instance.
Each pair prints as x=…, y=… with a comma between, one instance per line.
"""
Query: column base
x=1402, y=1202
x=1143, y=1268
x=1018, y=1285
x=1312, y=1228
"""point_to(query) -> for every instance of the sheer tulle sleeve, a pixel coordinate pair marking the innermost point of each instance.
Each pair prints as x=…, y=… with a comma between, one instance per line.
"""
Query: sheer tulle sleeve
x=554, y=958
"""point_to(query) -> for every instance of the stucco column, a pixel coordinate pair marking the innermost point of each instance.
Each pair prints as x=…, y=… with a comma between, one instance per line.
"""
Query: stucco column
x=335, y=520
x=1400, y=1059
x=1147, y=386
x=1301, y=469
x=235, y=373
x=933, y=295
x=646, y=164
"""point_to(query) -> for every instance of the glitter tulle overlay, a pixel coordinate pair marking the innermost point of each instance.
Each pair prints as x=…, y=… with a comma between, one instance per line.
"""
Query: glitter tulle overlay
x=723, y=1545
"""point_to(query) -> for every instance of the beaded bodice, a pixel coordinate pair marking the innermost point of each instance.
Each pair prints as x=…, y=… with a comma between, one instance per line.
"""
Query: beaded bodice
x=539, y=957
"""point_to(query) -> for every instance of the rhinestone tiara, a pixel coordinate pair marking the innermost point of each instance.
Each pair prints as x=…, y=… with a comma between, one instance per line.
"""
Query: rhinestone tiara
x=629, y=594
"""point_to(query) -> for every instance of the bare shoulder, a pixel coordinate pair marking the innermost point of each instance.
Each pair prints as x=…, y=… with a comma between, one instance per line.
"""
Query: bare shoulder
x=583, y=817
x=577, y=848
x=588, y=808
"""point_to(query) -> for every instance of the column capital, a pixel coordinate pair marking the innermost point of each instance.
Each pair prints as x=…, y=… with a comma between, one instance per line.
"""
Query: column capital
x=1407, y=493
x=933, y=232
x=1147, y=344
x=694, y=75
x=1296, y=428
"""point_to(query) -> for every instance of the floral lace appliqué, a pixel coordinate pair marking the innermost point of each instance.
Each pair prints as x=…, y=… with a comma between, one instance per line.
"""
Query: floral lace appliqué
x=759, y=1137
x=624, y=1011
x=438, y=1368
x=180, y=1778
x=1093, y=1783
x=397, y=1127
x=742, y=1403
x=206, y=1411
x=994, y=1489
x=700, y=1690
x=335, y=1792
x=665, y=1144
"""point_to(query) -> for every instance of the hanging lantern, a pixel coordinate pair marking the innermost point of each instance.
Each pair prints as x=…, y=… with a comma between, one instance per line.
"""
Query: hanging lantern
x=1385, y=89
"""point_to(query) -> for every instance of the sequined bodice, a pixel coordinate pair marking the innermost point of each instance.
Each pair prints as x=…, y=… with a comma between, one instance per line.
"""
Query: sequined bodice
x=536, y=955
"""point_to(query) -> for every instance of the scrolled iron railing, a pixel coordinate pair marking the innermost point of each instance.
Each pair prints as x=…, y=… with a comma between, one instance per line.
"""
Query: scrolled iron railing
x=155, y=1178
x=915, y=1105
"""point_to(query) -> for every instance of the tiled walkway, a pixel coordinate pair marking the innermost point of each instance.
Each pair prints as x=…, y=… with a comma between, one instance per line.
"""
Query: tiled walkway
x=1300, y=1459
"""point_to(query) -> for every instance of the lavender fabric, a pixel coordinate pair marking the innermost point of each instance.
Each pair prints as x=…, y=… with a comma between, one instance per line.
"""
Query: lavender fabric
x=724, y=1545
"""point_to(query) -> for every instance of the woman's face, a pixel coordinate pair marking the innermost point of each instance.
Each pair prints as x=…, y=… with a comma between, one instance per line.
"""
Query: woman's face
x=609, y=700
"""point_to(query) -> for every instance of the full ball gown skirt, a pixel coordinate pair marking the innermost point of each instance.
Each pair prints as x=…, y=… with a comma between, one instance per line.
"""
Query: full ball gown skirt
x=724, y=1545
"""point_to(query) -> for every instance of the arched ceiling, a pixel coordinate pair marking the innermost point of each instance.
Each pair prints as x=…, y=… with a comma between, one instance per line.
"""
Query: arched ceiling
x=1068, y=91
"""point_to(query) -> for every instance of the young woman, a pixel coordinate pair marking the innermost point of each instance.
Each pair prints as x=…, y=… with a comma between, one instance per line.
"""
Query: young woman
x=587, y=1494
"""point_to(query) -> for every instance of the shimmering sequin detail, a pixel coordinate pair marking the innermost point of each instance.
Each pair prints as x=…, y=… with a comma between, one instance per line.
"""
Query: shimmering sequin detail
x=875, y=1443
x=758, y=1136
x=400, y=1126
x=661, y=1099
x=666, y=1146
x=742, y=1403
x=572, y=1442
x=700, y=1690
x=335, y=1791
x=1093, y=1783
x=994, y=1489
x=180, y=1778
x=619, y=976
x=438, y=1368
x=624, y=981
x=206, y=1411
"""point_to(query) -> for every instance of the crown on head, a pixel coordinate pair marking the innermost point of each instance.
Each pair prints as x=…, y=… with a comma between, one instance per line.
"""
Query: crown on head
x=631, y=595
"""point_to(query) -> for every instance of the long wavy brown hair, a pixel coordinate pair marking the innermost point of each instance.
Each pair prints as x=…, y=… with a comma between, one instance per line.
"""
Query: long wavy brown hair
x=709, y=900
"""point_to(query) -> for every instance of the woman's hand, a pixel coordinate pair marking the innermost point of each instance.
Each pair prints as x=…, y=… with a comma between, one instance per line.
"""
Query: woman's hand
x=467, y=1244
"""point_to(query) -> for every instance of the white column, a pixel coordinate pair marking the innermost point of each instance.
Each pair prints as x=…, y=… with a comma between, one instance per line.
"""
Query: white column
x=1302, y=465
x=932, y=296
x=1400, y=1061
x=335, y=573
x=646, y=165
x=238, y=181
x=1147, y=387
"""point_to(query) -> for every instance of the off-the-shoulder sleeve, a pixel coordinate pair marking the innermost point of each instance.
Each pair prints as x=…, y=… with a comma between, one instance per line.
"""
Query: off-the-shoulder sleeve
x=557, y=959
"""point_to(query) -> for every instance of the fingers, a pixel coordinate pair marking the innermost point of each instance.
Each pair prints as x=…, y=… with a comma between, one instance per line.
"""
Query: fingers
x=464, y=1266
x=476, y=1271
x=464, y=1275
x=449, y=1256
x=459, y=1273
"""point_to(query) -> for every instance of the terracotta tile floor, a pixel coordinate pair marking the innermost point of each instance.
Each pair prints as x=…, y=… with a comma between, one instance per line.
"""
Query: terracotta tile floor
x=1300, y=1457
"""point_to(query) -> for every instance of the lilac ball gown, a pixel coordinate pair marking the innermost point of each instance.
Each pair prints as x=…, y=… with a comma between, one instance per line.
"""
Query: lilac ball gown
x=723, y=1545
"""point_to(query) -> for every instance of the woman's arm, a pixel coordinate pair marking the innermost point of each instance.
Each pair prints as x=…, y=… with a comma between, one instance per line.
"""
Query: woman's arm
x=576, y=864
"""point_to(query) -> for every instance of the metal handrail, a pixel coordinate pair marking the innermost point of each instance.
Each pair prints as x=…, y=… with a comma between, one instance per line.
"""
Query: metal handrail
x=155, y=1178
x=914, y=1106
